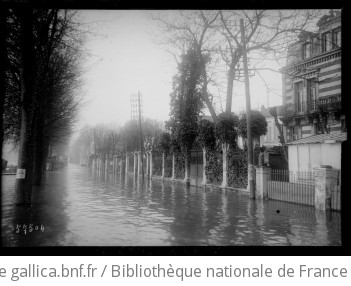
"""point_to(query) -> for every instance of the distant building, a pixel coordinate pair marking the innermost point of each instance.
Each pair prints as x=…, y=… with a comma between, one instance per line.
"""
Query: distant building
x=312, y=82
x=272, y=136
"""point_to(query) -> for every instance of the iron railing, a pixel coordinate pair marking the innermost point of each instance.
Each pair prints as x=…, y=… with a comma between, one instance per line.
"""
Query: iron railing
x=331, y=103
x=295, y=187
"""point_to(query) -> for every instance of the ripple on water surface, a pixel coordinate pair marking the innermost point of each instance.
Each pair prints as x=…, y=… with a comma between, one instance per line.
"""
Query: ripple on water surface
x=80, y=207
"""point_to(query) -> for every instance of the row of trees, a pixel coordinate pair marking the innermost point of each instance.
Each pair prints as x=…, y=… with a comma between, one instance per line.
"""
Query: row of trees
x=41, y=93
x=185, y=128
x=215, y=40
x=108, y=140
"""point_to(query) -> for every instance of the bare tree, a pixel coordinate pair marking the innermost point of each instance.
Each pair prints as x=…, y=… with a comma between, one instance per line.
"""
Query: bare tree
x=189, y=29
x=3, y=61
x=58, y=73
x=216, y=34
x=23, y=186
x=55, y=73
x=107, y=140
x=274, y=112
x=267, y=35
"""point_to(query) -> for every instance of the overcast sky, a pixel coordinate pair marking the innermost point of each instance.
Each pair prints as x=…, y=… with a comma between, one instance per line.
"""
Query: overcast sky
x=124, y=59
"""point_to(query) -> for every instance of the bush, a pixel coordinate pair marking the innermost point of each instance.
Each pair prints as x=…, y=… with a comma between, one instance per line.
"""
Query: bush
x=168, y=166
x=214, y=166
x=225, y=128
x=258, y=124
x=179, y=167
x=237, y=168
x=164, y=142
x=206, y=134
x=157, y=163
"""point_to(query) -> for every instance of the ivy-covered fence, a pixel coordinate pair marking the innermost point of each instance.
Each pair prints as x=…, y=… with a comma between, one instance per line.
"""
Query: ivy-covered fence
x=237, y=168
x=214, y=166
x=179, y=171
x=168, y=166
x=157, y=163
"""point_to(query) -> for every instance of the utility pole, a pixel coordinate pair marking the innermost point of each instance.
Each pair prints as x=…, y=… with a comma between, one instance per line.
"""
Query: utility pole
x=141, y=138
x=136, y=113
x=248, y=114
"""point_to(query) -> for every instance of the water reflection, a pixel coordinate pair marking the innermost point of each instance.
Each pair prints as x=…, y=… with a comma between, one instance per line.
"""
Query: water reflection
x=79, y=206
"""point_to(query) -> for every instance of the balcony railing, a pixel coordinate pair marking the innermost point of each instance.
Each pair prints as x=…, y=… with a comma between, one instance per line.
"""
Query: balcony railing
x=331, y=103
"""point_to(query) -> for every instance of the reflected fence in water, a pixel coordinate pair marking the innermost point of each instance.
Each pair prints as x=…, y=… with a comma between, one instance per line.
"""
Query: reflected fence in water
x=79, y=206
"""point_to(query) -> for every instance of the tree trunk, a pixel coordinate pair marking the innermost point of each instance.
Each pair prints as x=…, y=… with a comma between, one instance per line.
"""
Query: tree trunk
x=45, y=154
x=225, y=148
x=230, y=85
x=281, y=137
x=38, y=152
x=23, y=186
x=206, y=98
x=204, y=94
x=3, y=60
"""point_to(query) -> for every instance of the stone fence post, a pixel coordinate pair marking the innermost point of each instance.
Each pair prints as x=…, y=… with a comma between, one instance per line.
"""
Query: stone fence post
x=163, y=165
x=187, y=172
x=147, y=164
x=139, y=163
x=204, y=178
x=127, y=162
x=122, y=173
x=151, y=164
x=325, y=180
x=225, y=165
x=263, y=175
x=173, y=167
x=135, y=163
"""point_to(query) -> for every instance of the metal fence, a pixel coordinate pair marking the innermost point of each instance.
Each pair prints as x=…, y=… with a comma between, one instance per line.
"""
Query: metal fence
x=295, y=187
x=336, y=195
x=306, y=107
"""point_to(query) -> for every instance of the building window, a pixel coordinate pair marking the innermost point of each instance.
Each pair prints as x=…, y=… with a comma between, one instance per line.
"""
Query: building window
x=326, y=42
x=299, y=99
x=295, y=133
x=312, y=94
x=337, y=38
x=315, y=46
x=306, y=51
x=300, y=103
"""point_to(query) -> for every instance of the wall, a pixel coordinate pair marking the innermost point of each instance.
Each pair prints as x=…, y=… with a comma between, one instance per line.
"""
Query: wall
x=271, y=138
x=10, y=154
x=309, y=156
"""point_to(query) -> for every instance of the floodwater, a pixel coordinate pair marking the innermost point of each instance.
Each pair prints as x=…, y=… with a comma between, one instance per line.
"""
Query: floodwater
x=79, y=207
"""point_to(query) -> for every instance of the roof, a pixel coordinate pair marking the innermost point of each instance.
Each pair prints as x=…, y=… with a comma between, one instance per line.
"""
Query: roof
x=321, y=138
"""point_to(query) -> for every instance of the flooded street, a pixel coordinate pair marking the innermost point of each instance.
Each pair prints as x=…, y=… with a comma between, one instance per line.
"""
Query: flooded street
x=77, y=207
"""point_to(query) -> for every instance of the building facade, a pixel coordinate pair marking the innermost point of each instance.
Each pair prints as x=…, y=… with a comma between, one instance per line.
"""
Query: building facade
x=312, y=82
x=272, y=136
